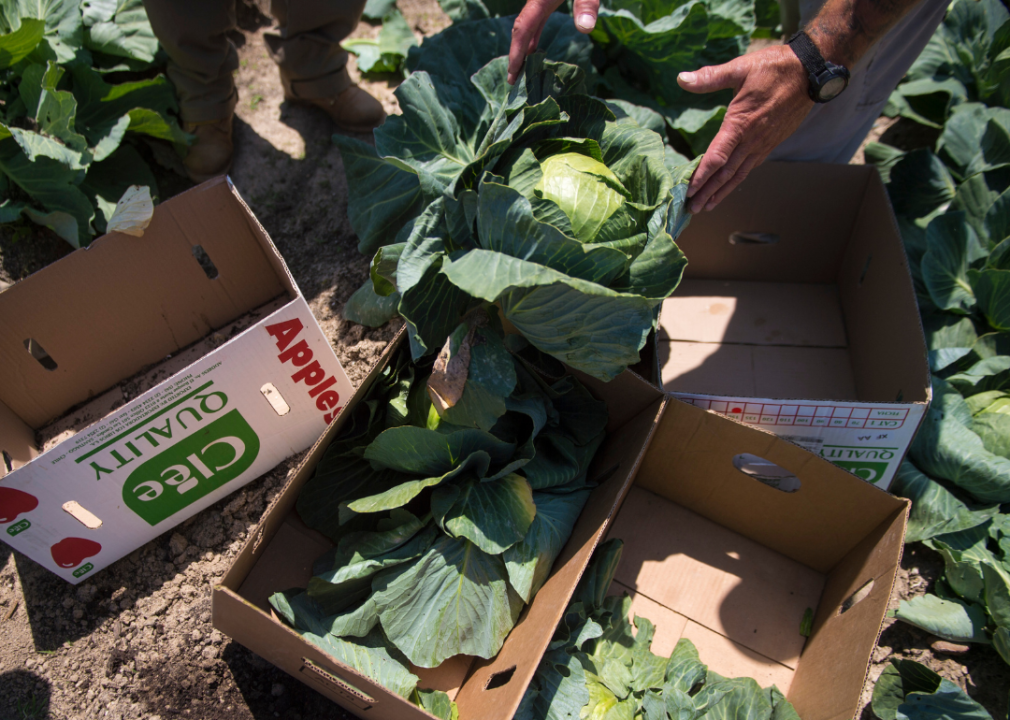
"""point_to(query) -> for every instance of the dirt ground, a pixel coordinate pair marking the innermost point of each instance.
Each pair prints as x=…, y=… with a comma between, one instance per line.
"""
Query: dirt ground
x=136, y=641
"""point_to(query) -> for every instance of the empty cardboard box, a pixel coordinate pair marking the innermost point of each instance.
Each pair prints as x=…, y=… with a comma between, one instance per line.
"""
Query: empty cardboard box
x=166, y=371
x=708, y=544
x=797, y=314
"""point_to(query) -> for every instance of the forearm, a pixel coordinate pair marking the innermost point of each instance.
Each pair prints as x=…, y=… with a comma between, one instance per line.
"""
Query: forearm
x=845, y=29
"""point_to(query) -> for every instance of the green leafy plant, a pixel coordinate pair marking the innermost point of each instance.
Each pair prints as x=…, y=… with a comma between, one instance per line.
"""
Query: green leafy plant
x=545, y=200
x=907, y=690
x=375, y=10
x=966, y=61
x=641, y=47
x=598, y=666
x=646, y=46
x=449, y=494
x=67, y=136
x=952, y=202
x=387, y=52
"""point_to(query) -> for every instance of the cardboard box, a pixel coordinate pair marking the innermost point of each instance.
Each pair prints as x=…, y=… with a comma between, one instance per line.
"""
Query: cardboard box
x=220, y=412
x=829, y=537
x=797, y=314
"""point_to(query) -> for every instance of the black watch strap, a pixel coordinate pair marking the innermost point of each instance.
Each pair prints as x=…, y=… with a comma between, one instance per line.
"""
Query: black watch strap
x=827, y=79
x=807, y=52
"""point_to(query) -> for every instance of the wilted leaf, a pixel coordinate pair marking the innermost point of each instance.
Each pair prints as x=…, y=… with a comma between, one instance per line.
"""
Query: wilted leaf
x=133, y=213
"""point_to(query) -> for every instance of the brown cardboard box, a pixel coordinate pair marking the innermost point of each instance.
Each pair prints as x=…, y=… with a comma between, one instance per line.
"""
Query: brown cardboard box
x=193, y=313
x=706, y=546
x=797, y=315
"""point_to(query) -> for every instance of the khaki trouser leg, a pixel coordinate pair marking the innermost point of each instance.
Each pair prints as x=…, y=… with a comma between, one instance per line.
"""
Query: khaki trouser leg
x=307, y=45
x=201, y=57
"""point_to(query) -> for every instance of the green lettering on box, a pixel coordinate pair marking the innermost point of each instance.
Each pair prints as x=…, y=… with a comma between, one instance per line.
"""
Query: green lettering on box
x=869, y=471
x=18, y=527
x=83, y=569
x=191, y=469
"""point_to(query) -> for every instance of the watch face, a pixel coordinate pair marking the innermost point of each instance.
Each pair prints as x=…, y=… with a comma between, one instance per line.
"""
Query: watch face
x=833, y=87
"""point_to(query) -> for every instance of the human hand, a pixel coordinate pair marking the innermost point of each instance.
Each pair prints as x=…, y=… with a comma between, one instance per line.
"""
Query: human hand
x=770, y=101
x=530, y=23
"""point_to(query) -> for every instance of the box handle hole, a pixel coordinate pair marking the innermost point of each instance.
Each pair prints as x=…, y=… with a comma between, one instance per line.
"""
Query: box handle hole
x=276, y=400
x=753, y=238
x=206, y=264
x=859, y=595
x=766, y=472
x=500, y=678
x=85, y=517
x=40, y=354
x=8, y=461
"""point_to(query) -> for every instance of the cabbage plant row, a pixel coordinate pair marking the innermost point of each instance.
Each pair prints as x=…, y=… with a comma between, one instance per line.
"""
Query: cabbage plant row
x=639, y=48
x=540, y=198
x=952, y=202
x=68, y=136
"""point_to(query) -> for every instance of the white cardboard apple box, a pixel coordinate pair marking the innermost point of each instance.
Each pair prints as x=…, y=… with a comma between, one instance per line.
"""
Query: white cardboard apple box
x=250, y=381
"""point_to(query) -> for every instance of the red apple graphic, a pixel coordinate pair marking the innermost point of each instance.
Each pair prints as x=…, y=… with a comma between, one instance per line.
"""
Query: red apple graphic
x=14, y=502
x=69, y=552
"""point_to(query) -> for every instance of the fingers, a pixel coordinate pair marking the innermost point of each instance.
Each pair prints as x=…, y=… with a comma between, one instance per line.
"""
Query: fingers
x=536, y=39
x=751, y=162
x=719, y=164
x=729, y=76
x=769, y=104
x=584, y=12
x=526, y=33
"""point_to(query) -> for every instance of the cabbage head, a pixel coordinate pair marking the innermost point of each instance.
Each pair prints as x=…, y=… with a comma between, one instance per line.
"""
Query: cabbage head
x=553, y=204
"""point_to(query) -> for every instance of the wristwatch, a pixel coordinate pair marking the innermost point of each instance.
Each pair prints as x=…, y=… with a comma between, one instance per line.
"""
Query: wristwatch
x=827, y=80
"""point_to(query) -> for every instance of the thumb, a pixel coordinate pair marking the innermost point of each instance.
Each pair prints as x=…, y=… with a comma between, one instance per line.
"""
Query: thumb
x=585, y=12
x=728, y=76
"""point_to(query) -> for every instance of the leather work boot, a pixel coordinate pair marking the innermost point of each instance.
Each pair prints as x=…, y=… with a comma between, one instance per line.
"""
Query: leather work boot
x=351, y=108
x=210, y=154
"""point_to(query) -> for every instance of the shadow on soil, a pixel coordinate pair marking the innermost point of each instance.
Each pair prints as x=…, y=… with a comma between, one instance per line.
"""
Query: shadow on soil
x=269, y=692
x=25, y=696
x=302, y=201
x=60, y=613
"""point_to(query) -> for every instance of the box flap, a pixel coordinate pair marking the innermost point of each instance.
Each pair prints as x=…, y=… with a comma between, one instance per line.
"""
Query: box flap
x=887, y=345
x=754, y=313
x=847, y=624
x=95, y=333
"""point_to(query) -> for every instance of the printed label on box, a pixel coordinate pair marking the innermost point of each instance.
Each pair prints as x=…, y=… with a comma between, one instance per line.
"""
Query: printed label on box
x=178, y=448
x=867, y=439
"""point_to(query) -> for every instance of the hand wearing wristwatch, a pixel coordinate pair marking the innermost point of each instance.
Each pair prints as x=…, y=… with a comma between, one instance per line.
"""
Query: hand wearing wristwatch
x=827, y=80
